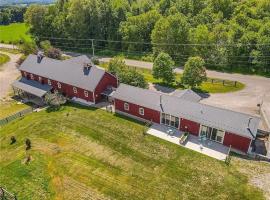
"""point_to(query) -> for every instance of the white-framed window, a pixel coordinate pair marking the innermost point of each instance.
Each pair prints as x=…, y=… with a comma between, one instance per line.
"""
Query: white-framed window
x=32, y=76
x=49, y=82
x=39, y=79
x=75, y=90
x=169, y=120
x=25, y=74
x=212, y=133
x=126, y=106
x=141, y=111
x=58, y=85
x=85, y=93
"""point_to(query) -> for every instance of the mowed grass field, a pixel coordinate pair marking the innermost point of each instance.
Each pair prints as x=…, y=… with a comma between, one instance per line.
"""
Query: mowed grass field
x=10, y=107
x=84, y=153
x=12, y=33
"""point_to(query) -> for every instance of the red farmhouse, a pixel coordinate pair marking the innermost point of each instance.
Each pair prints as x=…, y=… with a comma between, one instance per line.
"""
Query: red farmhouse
x=76, y=78
x=184, y=112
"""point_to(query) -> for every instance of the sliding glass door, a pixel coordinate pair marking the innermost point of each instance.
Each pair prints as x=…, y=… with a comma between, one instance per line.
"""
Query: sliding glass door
x=169, y=120
x=212, y=133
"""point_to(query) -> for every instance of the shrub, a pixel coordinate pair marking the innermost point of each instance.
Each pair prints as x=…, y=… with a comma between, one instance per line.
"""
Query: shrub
x=95, y=60
x=13, y=139
x=28, y=144
x=54, y=53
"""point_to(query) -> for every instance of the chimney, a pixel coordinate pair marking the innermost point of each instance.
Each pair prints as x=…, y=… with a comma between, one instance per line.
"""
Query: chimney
x=39, y=56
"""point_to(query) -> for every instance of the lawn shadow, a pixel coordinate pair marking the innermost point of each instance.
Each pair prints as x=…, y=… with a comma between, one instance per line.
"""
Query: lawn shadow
x=130, y=119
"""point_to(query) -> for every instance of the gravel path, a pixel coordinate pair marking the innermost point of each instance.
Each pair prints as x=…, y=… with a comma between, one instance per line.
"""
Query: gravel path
x=8, y=74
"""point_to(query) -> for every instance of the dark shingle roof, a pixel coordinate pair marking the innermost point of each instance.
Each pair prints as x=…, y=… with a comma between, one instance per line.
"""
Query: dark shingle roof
x=32, y=87
x=227, y=120
x=68, y=71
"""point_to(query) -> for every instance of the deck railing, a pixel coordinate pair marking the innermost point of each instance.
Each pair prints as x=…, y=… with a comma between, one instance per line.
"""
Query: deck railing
x=15, y=116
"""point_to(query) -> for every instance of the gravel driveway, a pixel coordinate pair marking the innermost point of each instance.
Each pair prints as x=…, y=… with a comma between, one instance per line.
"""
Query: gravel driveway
x=8, y=74
x=257, y=88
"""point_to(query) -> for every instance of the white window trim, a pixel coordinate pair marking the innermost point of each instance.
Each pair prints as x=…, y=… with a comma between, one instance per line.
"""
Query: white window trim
x=141, y=111
x=85, y=93
x=59, y=85
x=126, y=106
x=49, y=82
x=39, y=79
x=179, y=121
x=25, y=74
x=32, y=76
x=75, y=90
x=218, y=129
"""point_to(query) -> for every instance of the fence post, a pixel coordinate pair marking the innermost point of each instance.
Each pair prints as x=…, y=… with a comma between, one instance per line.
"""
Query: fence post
x=223, y=82
x=212, y=80
x=235, y=82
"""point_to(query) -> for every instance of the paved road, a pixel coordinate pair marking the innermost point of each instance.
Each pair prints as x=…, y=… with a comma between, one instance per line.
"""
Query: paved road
x=257, y=88
x=8, y=74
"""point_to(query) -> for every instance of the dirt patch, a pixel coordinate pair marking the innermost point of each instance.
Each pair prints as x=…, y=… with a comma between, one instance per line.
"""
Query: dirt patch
x=262, y=181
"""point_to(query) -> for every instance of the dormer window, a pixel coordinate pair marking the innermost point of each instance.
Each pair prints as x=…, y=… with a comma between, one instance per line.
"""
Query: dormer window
x=32, y=76
x=49, y=82
x=75, y=90
x=85, y=93
x=141, y=111
x=58, y=85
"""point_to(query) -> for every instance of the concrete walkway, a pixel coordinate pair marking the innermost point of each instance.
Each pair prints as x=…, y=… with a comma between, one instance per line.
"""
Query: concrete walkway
x=209, y=148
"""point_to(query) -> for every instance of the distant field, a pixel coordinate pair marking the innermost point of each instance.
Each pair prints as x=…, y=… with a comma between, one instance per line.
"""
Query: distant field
x=12, y=33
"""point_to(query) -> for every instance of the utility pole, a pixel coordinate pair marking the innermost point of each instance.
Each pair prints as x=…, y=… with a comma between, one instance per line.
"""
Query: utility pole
x=93, y=48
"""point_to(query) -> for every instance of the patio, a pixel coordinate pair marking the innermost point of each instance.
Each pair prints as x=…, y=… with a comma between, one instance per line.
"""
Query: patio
x=209, y=148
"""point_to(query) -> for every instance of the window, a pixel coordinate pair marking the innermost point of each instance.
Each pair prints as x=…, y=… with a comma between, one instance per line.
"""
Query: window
x=25, y=74
x=75, y=90
x=141, y=111
x=49, y=82
x=58, y=85
x=32, y=76
x=212, y=133
x=39, y=79
x=126, y=106
x=85, y=93
x=169, y=120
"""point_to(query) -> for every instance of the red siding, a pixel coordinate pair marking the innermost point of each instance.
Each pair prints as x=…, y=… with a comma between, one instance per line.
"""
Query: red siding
x=190, y=126
x=149, y=114
x=238, y=142
x=65, y=88
x=107, y=80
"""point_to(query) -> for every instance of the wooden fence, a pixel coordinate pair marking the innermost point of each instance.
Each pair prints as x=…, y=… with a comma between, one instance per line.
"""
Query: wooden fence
x=15, y=116
x=5, y=195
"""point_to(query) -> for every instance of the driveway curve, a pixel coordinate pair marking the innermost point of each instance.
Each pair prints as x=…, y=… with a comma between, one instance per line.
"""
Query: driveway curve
x=8, y=73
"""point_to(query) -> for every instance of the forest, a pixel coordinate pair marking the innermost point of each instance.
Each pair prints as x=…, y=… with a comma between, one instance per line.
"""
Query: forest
x=230, y=35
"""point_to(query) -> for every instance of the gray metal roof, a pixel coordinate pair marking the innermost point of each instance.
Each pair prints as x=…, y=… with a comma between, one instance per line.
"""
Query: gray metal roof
x=68, y=71
x=32, y=87
x=187, y=94
x=224, y=119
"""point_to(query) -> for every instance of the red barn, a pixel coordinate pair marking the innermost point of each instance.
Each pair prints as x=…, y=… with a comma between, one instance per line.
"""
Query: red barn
x=185, y=113
x=76, y=78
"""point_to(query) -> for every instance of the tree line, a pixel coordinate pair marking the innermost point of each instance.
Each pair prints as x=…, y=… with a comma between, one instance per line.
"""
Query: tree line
x=11, y=14
x=229, y=35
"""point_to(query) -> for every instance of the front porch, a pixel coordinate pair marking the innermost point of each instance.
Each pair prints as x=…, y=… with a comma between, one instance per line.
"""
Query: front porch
x=207, y=147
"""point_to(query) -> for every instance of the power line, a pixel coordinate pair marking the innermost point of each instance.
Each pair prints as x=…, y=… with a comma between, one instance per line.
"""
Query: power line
x=152, y=43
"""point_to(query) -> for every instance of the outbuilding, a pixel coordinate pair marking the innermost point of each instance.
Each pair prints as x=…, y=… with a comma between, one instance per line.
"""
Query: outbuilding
x=227, y=127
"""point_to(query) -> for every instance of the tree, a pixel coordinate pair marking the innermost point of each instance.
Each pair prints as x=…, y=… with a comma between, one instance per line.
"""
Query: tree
x=194, y=72
x=28, y=47
x=55, y=99
x=163, y=68
x=54, y=53
x=45, y=45
x=125, y=75
x=168, y=33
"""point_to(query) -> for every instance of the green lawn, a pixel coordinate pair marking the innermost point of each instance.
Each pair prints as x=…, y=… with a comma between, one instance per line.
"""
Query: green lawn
x=84, y=153
x=12, y=33
x=3, y=58
x=206, y=87
x=8, y=108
